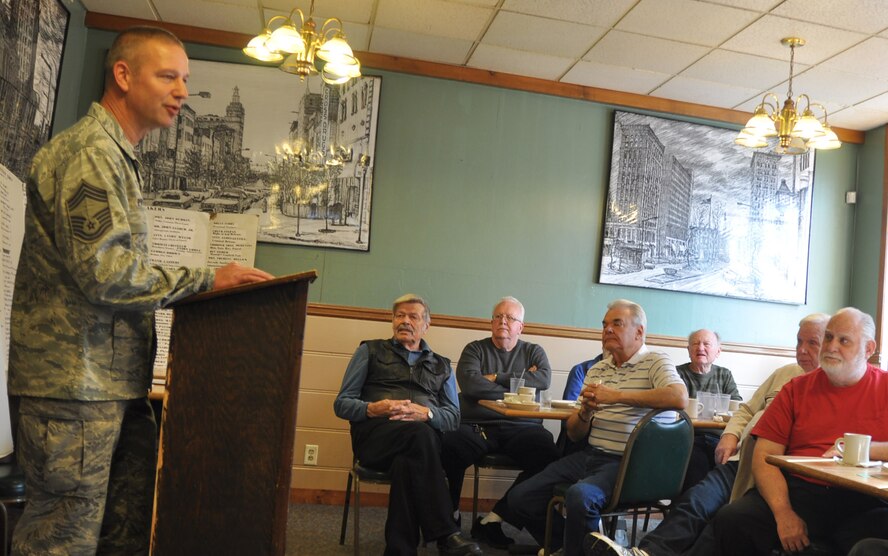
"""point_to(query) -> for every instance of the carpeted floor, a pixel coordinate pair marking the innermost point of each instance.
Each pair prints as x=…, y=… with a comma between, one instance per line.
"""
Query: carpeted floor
x=314, y=530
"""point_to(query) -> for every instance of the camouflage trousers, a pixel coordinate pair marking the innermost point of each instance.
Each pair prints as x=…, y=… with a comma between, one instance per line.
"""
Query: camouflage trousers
x=89, y=476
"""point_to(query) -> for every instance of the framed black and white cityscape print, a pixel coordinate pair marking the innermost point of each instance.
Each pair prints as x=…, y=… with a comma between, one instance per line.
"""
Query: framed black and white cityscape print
x=31, y=45
x=687, y=210
x=253, y=139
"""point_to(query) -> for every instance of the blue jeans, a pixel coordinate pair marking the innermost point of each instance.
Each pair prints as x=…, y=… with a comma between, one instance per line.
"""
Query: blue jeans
x=593, y=474
x=682, y=530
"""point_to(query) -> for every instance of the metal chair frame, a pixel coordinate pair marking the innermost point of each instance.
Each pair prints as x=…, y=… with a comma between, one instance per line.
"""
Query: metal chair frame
x=356, y=475
x=490, y=461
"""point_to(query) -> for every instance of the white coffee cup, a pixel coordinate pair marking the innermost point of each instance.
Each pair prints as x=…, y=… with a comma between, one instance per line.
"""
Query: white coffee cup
x=734, y=405
x=854, y=448
x=694, y=408
x=527, y=390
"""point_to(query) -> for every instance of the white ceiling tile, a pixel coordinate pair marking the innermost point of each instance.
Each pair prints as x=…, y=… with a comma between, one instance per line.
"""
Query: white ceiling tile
x=762, y=38
x=867, y=16
x=686, y=20
x=434, y=17
x=211, y=15
x=867, y=58
x=535, y=34
x=756, y=5
x=743, y=70
x=858, y=118
x=140, y=9
x=505, y=60
x=878, y=103
x=422, y=47
x=703, y=92
x=601, y=13
x=617, y=78
x=358, y=11
x=833, y=87
x=619, y=48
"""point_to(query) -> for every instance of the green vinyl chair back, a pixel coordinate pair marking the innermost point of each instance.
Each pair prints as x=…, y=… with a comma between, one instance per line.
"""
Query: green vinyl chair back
x=655, y=461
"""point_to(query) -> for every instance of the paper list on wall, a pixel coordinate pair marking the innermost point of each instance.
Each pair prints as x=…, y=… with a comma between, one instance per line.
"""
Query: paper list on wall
x=233, y=238
x=12, y=228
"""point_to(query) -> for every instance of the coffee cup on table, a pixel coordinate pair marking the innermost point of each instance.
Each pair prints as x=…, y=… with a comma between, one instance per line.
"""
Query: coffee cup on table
x=694, y=408
x=734, y=405
x=515, y=384
x=854, y=448
x=528, y=390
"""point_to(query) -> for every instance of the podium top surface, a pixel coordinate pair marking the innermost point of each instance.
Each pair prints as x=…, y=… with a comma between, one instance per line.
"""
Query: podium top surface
x=307, y=276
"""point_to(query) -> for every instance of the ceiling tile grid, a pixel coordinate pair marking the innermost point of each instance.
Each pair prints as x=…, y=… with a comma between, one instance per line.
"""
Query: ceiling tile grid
x=723, y=53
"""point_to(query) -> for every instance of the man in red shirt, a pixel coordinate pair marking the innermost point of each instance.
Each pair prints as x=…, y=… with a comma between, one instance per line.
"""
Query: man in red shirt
x=844, y=395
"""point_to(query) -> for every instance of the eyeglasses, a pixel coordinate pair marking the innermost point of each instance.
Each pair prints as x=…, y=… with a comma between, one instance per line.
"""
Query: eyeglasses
x=509, y=318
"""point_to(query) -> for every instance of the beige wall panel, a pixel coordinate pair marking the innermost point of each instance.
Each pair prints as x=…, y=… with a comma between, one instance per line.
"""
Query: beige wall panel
x=322, y=371
x=315, y=411
x=334, y=335
x=334, y=448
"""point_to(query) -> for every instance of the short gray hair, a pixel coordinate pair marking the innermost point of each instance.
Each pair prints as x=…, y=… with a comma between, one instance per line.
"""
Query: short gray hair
x=126, y=46
x=638, y=316
x=413, y=298
x=713, y=332
x=510, y=299
x=817, y=319
x=867, y=325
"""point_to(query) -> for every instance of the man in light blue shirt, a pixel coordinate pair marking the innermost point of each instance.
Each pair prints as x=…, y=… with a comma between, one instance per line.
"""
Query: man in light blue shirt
x=399, y=397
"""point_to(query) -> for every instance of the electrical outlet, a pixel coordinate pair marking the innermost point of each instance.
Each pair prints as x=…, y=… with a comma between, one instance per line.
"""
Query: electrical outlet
x=311, y=454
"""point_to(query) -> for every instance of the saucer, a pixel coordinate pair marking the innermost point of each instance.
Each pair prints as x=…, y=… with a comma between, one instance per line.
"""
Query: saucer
x=530, y=406
x=564, y=404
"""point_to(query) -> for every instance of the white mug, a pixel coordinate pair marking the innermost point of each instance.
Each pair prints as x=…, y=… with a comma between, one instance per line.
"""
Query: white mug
x=694, y=408
x=734, y=405
x=854, y=448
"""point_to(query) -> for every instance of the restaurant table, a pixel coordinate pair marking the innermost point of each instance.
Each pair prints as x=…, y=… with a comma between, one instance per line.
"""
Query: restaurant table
x=550, y=413
x=868, y=480
x=708, y=424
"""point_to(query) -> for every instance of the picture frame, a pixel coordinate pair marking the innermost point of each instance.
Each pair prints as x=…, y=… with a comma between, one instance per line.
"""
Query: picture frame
x=32, y=44
x=688, y=210
x=255, y=139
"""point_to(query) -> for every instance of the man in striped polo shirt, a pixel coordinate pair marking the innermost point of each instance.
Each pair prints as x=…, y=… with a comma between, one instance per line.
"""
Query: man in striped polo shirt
x=618, y=392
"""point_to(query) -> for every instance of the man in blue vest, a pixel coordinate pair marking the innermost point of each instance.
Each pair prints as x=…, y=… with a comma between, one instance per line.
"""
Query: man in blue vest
x=400, y=397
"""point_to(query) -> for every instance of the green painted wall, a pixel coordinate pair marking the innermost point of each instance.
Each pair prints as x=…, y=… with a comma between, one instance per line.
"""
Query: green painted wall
x=482, y=192
x=867, y=229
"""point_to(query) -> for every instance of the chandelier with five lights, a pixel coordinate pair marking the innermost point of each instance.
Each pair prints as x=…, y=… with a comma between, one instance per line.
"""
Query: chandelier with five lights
x=305, y=49
x=797, y=130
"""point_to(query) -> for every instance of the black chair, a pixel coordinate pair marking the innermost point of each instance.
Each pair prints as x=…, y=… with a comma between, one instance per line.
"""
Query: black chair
x=650, y=476
x=356, y=476
x=12, y=491
x=492, y=461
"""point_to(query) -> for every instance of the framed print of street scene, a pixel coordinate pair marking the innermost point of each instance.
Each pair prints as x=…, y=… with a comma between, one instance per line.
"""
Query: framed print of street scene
x=253, y=139
x=31, y=46
x=688, y=210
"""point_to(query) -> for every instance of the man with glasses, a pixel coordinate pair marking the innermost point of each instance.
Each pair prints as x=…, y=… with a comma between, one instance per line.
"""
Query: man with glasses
x=484, y=372
x=399, y=397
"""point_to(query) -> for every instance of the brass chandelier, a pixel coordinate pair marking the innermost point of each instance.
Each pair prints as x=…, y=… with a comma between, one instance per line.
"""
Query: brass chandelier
x=797, y=131
x=304, y=49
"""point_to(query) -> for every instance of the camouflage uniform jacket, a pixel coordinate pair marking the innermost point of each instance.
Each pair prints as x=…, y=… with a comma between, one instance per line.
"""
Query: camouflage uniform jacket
x=85, y=290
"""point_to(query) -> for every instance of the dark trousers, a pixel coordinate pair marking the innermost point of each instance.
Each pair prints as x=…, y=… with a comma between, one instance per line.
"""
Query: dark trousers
x=418, y=498
x=835, y=515
x=592, y=473
x=530, y=445
x=685, y=528
x=702, y=459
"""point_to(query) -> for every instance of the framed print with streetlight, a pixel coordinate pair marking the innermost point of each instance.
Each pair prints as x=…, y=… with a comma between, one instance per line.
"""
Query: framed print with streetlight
x=252, y=139
x=688, y=210
x=32, y=46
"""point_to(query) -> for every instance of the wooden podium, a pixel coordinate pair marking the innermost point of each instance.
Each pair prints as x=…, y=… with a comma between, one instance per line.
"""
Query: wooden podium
x=229, y=420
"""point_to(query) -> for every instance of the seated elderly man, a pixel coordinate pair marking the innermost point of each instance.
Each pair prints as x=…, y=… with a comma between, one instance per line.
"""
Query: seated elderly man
x=786, y=511
x=618, y=392
x=686, y=529
x=700, y=374
x=484, y=372
x=400, y=397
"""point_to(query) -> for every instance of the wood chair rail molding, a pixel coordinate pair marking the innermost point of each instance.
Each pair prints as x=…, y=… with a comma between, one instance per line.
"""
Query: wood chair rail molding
x=199, y=35
x=571, y=332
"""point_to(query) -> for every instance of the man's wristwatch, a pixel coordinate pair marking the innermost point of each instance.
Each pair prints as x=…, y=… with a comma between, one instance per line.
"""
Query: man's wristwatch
x=430, y=414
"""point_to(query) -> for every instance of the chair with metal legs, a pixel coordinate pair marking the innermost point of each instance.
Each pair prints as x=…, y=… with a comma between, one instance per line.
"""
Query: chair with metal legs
x=12, y=491
x=356, y=476
x=491, y=461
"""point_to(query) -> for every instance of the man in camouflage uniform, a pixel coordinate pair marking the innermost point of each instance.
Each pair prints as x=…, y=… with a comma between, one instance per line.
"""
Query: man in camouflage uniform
x=82, y=330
